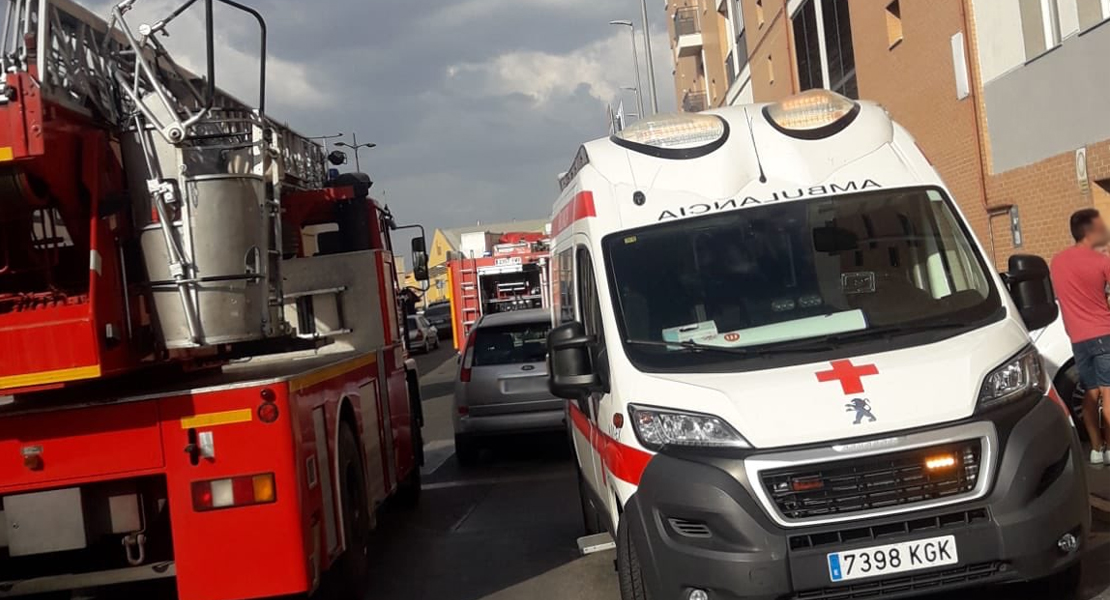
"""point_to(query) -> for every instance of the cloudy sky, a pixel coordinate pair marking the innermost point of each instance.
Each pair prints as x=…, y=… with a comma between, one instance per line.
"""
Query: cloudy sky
x=476, y=105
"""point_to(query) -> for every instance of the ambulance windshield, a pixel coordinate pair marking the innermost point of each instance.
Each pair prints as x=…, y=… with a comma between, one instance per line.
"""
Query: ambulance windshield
x=843, y=269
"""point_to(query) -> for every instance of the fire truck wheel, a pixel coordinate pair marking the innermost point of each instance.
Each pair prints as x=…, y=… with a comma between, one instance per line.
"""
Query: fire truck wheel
x=408, y=490
x=354, y=565
x=629, y=571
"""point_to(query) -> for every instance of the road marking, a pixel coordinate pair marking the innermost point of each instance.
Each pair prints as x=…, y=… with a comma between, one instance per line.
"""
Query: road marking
x=443, y=485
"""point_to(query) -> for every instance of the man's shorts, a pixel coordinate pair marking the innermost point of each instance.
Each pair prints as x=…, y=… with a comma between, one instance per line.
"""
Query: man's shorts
x=1092, y=358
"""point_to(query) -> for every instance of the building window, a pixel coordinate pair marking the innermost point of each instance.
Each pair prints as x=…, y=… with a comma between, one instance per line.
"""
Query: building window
x=893, y=24
x=823, y=46
x=1092, y=12
x=1040, y=26
x=759, y=13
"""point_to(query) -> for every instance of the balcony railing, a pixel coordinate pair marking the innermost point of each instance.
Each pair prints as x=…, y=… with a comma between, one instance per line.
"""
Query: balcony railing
x=686, y=21
x=694, y=102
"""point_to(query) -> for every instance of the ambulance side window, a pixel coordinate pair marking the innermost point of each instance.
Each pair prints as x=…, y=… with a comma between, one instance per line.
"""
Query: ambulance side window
x=589, y=307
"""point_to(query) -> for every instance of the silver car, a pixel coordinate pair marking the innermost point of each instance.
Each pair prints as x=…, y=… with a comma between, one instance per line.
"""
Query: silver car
x=423, y=336
x=501, y=384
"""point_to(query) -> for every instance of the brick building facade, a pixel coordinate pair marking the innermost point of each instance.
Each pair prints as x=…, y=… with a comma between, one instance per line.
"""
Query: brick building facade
x=1002, y=97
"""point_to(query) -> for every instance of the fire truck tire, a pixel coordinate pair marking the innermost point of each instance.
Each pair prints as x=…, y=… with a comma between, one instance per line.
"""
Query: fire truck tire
x=629, y=572
x=353, y=566
x=408, y=490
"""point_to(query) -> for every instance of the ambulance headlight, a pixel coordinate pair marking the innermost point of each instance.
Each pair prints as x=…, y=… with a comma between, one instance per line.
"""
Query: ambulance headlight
x=681, y=135
x=658, y=427
x=812, y=114
x=1016, y=377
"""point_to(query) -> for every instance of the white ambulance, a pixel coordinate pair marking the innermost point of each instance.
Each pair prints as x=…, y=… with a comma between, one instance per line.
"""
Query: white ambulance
x=794, y=372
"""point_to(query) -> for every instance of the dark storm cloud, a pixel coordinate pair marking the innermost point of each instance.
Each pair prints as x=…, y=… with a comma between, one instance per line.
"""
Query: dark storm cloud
x=476, y=105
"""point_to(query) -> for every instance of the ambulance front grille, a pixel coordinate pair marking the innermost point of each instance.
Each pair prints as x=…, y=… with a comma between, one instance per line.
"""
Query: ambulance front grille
x=875, y=483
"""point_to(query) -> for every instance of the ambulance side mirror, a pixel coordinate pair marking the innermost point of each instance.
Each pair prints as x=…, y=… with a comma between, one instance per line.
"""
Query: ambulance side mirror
x=1031, y=289
x=570, y=371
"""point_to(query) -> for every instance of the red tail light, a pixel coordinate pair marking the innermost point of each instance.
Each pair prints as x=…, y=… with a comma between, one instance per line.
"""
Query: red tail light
x=464, y=410
x=464, y=371
x=246, y=490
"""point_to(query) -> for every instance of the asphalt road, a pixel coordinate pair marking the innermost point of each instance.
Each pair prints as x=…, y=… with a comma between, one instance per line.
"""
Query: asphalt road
x=506, y=529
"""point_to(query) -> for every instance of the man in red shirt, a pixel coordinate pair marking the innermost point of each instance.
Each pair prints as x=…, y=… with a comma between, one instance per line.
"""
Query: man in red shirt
x=1080, y=276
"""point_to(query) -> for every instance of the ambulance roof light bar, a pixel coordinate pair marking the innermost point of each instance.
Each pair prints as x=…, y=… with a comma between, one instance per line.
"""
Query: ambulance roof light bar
x=680, y=135
x=812, y=114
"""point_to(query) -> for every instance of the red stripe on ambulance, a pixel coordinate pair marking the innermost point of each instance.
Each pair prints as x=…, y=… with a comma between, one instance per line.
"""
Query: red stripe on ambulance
x=624, y=462
x=581, y=207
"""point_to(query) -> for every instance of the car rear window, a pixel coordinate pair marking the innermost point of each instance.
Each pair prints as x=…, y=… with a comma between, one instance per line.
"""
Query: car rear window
x=510, y=344
x=437, y=312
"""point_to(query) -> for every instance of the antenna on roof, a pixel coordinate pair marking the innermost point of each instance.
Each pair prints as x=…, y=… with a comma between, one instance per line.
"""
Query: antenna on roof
x=751, y=133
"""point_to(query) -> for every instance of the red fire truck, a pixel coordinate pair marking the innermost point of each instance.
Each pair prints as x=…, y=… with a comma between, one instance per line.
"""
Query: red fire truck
x=202, y=370
x=513, y=275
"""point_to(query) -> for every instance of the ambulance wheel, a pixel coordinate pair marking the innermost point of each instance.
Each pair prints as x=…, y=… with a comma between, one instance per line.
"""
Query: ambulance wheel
x=1061, y=586
x=591, y=519
x=629, y=571
x=1072, y=392
x=353, y=567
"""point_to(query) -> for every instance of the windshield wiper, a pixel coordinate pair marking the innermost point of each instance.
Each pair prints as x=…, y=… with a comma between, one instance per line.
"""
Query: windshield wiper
x=889, y=331
x=785, y=347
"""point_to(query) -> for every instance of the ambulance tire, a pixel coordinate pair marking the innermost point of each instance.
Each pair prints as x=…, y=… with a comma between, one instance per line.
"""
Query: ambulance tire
x=629, y=572
x=353, y=568
x=591, y=518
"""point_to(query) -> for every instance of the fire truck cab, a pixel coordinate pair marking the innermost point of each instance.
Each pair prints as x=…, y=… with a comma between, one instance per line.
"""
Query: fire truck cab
x=203, y=376
x=793, y=370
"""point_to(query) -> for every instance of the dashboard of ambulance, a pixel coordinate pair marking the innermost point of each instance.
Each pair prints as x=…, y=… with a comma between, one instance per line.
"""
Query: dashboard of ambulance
x=794, y=282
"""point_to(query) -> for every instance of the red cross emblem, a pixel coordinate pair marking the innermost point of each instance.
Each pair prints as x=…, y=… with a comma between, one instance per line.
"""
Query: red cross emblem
x=849, y=375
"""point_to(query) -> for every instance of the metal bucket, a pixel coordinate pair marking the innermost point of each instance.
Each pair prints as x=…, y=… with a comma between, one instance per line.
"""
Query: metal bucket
x=225, y=245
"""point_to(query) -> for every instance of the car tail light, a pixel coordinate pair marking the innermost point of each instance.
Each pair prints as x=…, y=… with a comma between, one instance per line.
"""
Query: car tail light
x=246, y=490
x=467, y=357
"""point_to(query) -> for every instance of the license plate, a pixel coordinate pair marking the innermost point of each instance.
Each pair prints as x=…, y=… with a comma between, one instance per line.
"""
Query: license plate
x=893, y=558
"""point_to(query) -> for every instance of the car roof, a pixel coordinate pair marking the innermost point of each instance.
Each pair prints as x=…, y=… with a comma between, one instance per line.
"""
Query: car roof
x=515, y=317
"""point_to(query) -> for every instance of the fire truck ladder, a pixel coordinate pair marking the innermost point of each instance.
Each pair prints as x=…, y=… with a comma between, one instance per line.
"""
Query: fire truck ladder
x=471, y=295
x=122, y=75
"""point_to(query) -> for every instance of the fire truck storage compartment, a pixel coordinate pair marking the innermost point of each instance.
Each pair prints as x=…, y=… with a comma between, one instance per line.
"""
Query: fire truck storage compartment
x=222, y=231
x=93, y=527
x=515, y=287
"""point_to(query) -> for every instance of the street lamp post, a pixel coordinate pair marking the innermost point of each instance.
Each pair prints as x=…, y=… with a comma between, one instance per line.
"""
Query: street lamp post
x=635, y=62
x=650, y=61
x=356, y=147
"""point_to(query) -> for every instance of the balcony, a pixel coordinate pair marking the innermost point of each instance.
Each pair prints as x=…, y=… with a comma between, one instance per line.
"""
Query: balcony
x=693, y=102
x=687, y=32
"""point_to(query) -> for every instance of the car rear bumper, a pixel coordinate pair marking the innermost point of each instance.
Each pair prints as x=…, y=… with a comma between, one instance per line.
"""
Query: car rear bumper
x=739, y=552
x=546, y=420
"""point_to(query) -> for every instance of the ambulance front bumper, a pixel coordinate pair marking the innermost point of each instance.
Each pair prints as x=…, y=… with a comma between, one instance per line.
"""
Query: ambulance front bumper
x=697, y=522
